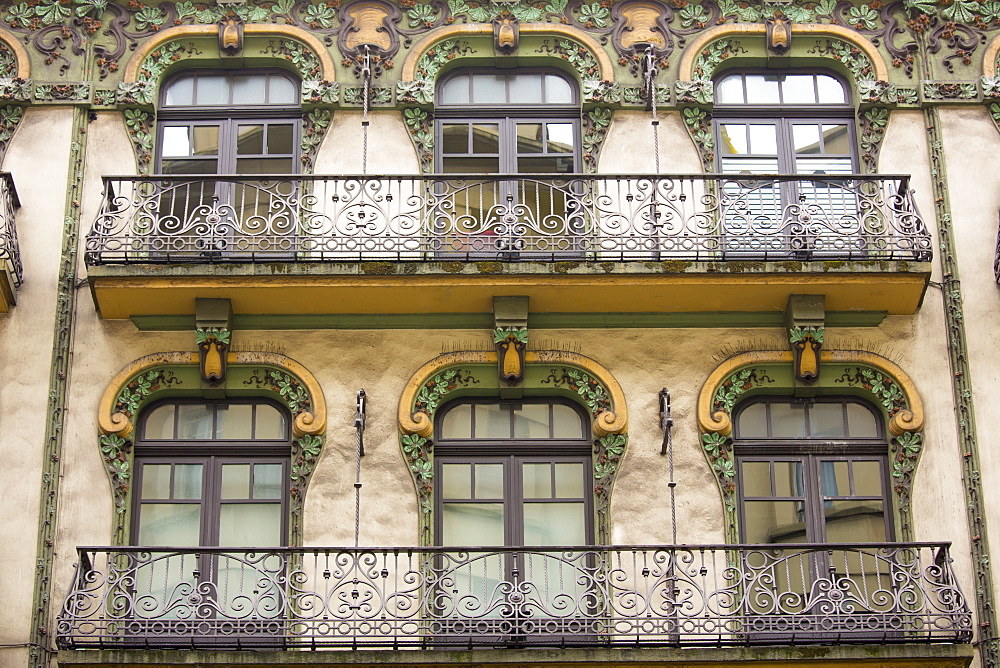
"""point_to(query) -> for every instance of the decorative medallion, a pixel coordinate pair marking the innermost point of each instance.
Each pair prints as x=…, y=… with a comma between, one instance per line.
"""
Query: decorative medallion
x=213, y=345
x=510, y=343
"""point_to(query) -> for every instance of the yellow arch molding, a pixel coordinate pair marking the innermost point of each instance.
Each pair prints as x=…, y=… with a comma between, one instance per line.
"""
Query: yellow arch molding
x=20, y=53
x=686, y=68
x=609, y=422
x=473, y=29
x=990, y=57
x=119, y=424
x=720, y=423
x=181, y=32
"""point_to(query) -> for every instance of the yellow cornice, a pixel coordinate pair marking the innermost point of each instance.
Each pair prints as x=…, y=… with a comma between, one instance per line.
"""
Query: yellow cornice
x=119, y=424
x=327, y=71
x=719, y=422
x=473, y=29
x=20, y=53
x=799, y=30
x=612, y=421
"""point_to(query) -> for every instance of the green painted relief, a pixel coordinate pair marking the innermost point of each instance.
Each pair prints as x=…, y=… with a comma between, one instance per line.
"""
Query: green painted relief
x=137, y=390
x=315, y=123
x=699, y=126
x=797, y=334
x=596, y=123
x=441, y=384
x=740, y=382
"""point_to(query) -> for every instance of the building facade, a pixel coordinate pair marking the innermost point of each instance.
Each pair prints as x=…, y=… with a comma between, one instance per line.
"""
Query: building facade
x=502, y=332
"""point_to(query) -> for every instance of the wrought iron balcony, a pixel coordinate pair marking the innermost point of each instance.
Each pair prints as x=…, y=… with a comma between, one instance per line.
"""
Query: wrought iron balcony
x=515, y=218
x=11, y=271
x=494, y=597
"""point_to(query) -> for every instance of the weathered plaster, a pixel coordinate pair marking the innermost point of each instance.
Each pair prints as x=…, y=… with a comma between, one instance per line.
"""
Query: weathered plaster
x=389, y=147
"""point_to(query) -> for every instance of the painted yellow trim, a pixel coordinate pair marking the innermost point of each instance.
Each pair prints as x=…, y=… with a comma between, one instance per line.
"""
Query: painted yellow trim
x=719, y=422
x=473, y=29
x=327, y=73
x=20, y=53
x=614, y=421
x=119, y=424
x=799, y=30
x=990, y=57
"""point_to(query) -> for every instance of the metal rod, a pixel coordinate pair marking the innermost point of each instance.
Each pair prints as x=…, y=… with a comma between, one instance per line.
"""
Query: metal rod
x=366, y=75
x=359, y=428
x=666, y=424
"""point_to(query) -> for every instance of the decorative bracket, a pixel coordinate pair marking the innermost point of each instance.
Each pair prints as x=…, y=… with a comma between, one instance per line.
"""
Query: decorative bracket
x=510, y=336
x=506, y=33
x=779, y=34
x=231, y=34
x=804, y=320
x=213, y=319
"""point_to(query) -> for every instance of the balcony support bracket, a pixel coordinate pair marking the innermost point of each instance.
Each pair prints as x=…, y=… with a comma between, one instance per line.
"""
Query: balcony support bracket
x=805, y=323
x=510, y=336
x=213, y=333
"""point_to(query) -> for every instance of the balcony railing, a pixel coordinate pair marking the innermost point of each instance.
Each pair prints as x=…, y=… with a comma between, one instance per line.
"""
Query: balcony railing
x=704, y=217
x=552, y=596
x=10, y=253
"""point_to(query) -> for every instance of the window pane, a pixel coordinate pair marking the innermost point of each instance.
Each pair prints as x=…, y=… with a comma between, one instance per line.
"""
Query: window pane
x=529, y=138
x=156, y=481
x=472, y=524
x=753, y=421
x=787, y=420
x=561, y=137
x=729, y=90
x=569, y=480
x=174, y=524
x=827, y=420
x=861, y=423
x=455, y=138
x=566, y=422
x=558, y=90
x=855, y=522
x=235, y=421
x=553, y=165
x=250, y=139
x=734, y=139
x=788, y=479
x=470, y=166
x=537, y=479
x=485, y=138
x=798, y=89
x=205, y=139
x=836, y=139
x=250, y=525
x=763, y=139
x=489, y=481
x=235, y=481
x=867, y=477
x=489, y=88
x=554, y=524
x=756, y=478
x=176, y=141
x=457, y=422
x=194, y=422
x=774, y=521
x=762, y=89
x=492, y=420
x=187, y=481
x=833, y=478
x=282, y=90
x=831, y=91
x=526, y=88
x=280, y=139
x=160, y=422
x=249, y=89
x=212, y=90
x=180, y=92
x=267, y=481
x=456, y=481
x=806, y=138
x=190, y=167
x=531, y=421
x=269, y=423
x=455, y=90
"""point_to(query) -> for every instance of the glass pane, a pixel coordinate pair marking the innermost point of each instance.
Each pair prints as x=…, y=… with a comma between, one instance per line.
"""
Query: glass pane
x=235, y=421
x=269, y=423
x=470, y=165
x=456, y=481
x=282, y=90
x=455, y=138
x=187, y=481
x=852, y=521
x=250, y=139
x=250, y=525
x=531, y=421
x=762, y=89
x=173, y=524
x=860, y=422
x=492, y=420
x=176, y=141
x=489, y=481
x=267, y=481
x=788, y=479
x=734, y=139
x=788, y=420
x=180, y=92
x=569, y=480
x=558, y=90
x=455, y=90
x=529, y=138
x=160, y=422
x=798, y=89
x=156, y=481
x=236, y=481
x=729, y=90
x=831, y=91
x=249, y=89
x=212, y=90
x=561, y=137
x=806, y=139
x=190, y=167
x=867, y=477
x=836, y=139
x=553, y=165
x=566, y=422
x=774, y=522
x=554, y=524
x=194, y=422
x=755, y=477
x=763, y=139
x=205, y=139
x=472, y=524
x=264, y=166
x=485, y=138
x=537, y=479
x=489, y=88
x=280, y=139
x=833, y=478
x=526, y=88
x=827, y=420
x=753, y=422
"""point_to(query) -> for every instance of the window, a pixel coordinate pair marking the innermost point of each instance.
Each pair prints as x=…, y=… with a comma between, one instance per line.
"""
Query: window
x=790, y=124
x=510, y=123
x=512, y=474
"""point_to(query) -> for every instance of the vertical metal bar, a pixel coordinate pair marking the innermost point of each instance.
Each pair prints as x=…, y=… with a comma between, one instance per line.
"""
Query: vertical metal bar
x=359, y=426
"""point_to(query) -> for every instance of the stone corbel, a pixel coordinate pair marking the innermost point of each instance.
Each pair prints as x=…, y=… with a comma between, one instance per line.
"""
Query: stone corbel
x=231, y=34
x=213, y=318
x=804, y=321
x=510, y=336
x=506, y=33
x=779, y=34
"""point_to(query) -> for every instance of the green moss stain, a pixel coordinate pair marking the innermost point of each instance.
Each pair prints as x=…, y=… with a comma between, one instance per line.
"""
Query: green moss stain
x=608, y=267
x=564, y=267
x=744, y=266
x=674, y=266
x=378, y=268
x=791, y=265
x=452, y=267
x=490, y=267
